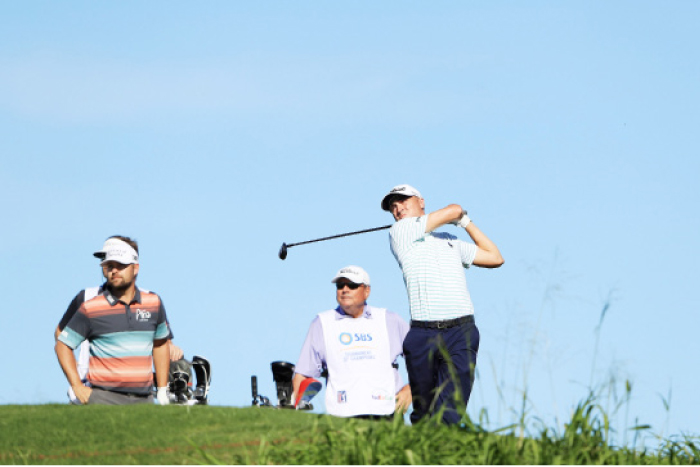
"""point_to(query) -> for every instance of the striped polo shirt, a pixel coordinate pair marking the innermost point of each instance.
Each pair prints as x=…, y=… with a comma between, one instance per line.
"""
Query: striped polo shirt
x=121, y=339
x=433, y=270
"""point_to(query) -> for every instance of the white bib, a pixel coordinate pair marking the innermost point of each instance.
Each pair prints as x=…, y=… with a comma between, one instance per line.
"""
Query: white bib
x=360, y=375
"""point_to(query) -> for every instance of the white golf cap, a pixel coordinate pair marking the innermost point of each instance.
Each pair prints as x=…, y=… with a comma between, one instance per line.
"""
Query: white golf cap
x=119, y=251
x=400, y=190
x=354, y=274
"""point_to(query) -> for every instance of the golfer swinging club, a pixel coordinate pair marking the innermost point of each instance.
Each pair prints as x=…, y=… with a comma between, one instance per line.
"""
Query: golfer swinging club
x=443, y=331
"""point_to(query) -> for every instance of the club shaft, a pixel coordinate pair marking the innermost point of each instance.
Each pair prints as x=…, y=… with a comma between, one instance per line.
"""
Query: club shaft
x=341, y=235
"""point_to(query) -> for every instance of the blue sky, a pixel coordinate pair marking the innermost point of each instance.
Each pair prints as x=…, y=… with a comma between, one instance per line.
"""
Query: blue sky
x=213, y=133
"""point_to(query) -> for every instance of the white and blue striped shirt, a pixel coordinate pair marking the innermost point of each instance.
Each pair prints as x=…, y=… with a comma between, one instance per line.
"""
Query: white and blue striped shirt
x=433, y=270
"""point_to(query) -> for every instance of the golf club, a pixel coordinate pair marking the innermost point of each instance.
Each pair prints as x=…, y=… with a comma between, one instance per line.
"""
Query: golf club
x=283, y=249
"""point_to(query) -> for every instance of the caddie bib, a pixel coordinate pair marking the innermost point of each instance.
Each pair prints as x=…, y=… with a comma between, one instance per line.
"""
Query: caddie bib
x=360, y=375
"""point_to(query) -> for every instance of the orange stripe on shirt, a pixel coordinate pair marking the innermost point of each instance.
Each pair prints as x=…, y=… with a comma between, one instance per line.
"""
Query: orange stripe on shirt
x=115, y=371
x=99, y=306
x=150, y=300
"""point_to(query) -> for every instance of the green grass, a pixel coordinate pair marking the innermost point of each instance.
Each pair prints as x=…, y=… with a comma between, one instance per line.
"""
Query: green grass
x=63, y=434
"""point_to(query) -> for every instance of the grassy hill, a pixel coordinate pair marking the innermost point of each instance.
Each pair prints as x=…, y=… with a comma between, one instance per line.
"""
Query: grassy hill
x=62, y=434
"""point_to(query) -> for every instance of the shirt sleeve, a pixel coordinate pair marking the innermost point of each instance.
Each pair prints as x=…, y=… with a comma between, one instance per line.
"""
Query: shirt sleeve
x=404, y=233
x=72, y=308
x=467, y=252
x=312, y=359
x=77, y=329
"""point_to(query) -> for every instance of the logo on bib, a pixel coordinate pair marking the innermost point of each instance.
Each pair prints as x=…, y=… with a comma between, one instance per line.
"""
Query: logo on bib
x=346, y=338
x=342, y=397
x=363, y=337
x=380, y=395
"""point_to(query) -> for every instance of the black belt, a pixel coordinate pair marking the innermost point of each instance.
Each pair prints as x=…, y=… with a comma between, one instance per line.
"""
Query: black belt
x=445, y=324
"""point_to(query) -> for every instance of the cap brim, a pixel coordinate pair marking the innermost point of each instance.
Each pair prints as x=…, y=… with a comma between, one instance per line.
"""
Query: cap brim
x=116, y=261
x=336, y=279
x=386, y=202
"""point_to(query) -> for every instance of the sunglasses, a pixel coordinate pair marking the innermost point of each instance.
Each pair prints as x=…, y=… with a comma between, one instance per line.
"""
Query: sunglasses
x=351, y=285
x=112, y=265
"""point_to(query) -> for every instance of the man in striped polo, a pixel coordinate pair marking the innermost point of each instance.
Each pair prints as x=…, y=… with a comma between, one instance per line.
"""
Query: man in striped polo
x=176, y=353
x=128, y=333
x=443, y=332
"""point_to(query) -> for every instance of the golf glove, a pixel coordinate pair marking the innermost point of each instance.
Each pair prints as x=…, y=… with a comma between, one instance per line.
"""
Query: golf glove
x=162, y=396
x=462, y=221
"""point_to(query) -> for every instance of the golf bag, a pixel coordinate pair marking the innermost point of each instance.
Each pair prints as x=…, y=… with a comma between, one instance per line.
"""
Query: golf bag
x=282, y=374
x=180, y=383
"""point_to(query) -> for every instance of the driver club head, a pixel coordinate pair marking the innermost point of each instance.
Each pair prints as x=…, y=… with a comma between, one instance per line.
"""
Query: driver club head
x=283, y=251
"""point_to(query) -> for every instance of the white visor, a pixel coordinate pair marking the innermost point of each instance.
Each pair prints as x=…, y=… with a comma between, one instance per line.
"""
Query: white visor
x=110, y=244
x=119, y=251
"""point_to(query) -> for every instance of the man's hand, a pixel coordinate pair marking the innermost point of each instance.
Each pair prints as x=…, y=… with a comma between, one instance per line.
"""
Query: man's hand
x=162, y=396
x=462, y=221
x=70, y=368
x=176, y=352
x=82, y=392
x=404, y=398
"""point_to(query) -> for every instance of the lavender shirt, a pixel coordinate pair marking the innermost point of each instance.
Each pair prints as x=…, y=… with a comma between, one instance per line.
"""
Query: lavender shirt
x=312, y=359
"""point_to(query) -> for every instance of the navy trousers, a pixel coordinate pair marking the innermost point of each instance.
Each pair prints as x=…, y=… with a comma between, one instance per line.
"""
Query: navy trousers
x=440, y=365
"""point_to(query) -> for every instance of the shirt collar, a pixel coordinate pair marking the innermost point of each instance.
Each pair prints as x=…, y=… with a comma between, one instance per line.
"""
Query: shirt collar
x=113, y=300
x=340, y=313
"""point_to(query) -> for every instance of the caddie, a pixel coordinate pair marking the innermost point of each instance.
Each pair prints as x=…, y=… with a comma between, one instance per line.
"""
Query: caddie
x=128, y=333
x=443, y=339
x=358, y=346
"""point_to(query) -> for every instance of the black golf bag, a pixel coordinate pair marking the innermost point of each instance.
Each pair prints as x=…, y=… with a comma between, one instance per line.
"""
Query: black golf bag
x=180, y=384
x=282, y=374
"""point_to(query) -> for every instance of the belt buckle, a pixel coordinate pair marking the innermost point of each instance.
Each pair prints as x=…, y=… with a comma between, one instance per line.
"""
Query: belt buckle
x=441, y=325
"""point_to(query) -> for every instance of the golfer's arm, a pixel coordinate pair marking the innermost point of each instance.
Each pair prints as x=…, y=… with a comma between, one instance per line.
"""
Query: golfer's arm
x=161, y=362
x=56, y=333
x=443, y=216
x=67, y=361
x=487, y=254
